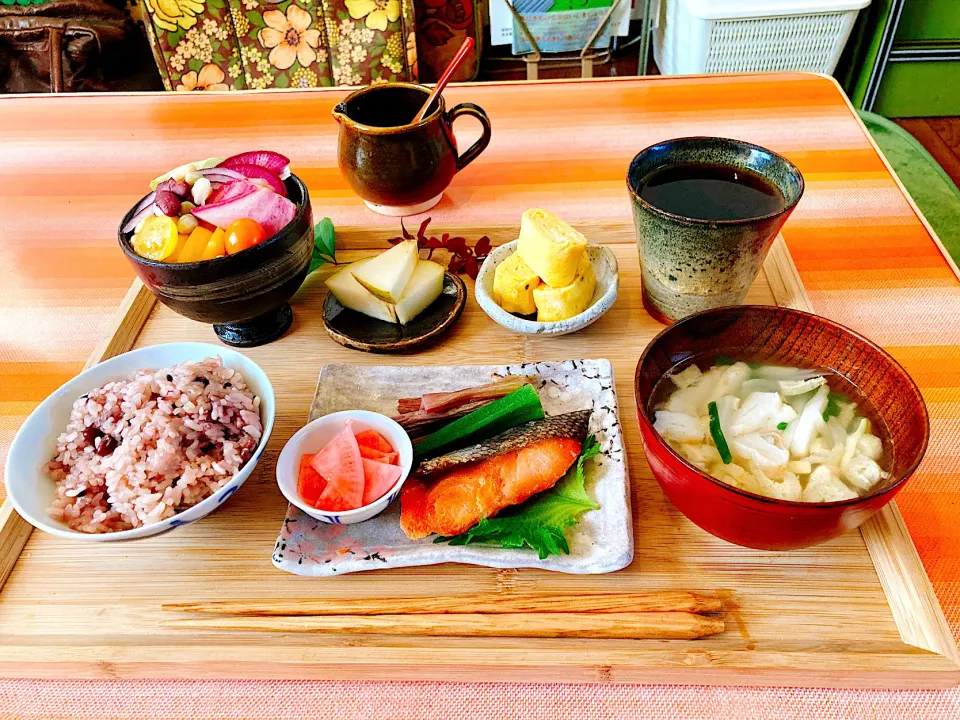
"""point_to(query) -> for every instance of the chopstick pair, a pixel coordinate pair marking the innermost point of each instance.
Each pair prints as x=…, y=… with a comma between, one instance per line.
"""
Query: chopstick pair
x=653, y=615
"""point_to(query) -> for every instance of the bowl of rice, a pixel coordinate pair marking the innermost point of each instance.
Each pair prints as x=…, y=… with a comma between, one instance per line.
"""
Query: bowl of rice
x=142, y=443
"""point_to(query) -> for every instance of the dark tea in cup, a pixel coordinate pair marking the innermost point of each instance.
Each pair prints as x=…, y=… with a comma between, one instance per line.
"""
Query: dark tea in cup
x=706, y=211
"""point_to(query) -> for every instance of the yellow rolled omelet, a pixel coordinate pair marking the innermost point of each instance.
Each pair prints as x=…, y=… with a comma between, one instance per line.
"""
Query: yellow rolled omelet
x=562, y=303
x=513, y=286
x=551, y=248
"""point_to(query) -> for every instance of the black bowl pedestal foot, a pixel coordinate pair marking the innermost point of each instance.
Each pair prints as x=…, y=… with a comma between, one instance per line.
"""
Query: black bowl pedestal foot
x=257, y=331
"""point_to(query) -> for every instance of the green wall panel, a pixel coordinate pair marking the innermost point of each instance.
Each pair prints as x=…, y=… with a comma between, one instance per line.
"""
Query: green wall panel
x=930, y=20
x=920, y=89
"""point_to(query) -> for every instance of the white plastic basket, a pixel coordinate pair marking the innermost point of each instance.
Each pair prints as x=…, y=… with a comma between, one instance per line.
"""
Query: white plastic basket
x=725, y=36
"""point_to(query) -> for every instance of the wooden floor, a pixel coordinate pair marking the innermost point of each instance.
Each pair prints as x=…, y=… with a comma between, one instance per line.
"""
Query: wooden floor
x=941, y=137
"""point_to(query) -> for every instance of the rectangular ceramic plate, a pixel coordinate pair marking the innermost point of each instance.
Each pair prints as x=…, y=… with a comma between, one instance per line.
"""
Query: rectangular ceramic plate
x=601, y=542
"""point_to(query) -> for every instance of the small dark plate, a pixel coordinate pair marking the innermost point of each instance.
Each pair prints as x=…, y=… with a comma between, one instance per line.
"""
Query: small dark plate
x=355, y=330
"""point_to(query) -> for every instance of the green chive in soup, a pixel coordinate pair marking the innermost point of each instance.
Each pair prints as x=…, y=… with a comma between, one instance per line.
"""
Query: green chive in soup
x=782, y=432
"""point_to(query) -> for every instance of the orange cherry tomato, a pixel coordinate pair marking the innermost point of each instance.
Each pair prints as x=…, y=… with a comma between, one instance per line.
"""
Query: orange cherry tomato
x=243, y=234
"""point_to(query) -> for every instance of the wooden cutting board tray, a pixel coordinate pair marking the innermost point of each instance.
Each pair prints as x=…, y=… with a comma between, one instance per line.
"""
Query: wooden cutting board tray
x=856, y=612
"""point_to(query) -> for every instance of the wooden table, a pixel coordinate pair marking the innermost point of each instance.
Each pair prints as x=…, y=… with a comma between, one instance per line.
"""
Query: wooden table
x=68, y=164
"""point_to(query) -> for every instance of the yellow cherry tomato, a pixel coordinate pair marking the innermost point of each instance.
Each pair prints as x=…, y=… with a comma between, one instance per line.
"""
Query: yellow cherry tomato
x=214, y=248
x=196, y=244
x=157, y=239
x=243, y=234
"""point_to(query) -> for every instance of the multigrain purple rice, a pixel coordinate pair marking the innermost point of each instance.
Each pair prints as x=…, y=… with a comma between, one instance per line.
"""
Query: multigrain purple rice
x=140, y=450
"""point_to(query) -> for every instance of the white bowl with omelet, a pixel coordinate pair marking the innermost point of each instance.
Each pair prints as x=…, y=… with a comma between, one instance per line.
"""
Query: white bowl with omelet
x=602, y=263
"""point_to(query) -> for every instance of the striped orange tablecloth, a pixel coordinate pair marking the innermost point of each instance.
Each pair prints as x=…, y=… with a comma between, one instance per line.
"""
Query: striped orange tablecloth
x=70, y=166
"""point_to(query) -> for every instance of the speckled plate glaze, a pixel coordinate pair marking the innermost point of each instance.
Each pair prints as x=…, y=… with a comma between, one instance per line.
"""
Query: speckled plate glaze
x=601, y=542
x=605, y=269
x=359, y=332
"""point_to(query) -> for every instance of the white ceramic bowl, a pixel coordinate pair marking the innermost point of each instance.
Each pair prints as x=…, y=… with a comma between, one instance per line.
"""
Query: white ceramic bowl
x=314, y=435
x=604, y=264
x=31, y=491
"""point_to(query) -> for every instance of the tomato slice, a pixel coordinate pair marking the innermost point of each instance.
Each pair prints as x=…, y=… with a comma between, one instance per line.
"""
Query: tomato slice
x=242, y=234
x=196, y=244
x=214, y=246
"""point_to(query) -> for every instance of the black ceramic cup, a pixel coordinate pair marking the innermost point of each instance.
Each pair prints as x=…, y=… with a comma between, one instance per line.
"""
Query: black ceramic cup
x=245, y=295
x=688, y=264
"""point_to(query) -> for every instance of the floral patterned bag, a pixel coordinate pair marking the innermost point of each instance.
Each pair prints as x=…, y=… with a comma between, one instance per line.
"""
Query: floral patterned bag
x=442, y=26
x=249, y=44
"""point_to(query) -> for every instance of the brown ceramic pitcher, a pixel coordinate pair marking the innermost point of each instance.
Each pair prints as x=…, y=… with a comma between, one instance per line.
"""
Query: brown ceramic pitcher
x=400, y=167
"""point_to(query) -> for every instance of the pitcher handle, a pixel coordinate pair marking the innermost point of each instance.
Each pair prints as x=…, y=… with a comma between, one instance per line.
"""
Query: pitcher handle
x=470, y=154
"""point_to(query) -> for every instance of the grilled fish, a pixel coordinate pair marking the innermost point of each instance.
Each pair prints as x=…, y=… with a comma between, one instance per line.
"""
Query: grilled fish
x=459, y=500
x=569, y=425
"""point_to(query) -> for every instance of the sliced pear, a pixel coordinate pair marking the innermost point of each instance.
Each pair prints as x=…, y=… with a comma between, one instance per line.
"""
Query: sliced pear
x=354, y=296
x=387, y=274
x=424, y=287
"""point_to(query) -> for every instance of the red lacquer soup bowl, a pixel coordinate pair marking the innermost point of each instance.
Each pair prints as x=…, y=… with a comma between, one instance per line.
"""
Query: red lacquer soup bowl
x=784, y=337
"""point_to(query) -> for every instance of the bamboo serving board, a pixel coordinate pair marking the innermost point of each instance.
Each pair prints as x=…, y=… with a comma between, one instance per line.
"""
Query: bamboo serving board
x=855, y=612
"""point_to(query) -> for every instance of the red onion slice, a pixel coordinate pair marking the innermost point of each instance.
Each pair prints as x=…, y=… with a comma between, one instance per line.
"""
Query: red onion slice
x=220, y=174
x=132, y=223
x=144, y=208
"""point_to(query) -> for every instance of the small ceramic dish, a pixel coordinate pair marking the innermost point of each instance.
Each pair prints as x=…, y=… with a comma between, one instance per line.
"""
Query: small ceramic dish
x=604, y=264
x=313, y=436
x=31, y=491
x=360, y=332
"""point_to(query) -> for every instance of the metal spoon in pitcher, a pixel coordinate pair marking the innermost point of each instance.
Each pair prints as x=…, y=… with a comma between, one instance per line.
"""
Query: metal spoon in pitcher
x=465, y=48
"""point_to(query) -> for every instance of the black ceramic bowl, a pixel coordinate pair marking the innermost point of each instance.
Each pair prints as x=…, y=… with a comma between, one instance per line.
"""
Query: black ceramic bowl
x=244, y=295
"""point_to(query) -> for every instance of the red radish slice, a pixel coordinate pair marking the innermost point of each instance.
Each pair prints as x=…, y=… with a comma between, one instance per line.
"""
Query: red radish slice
x=272, y=211
x=230, y=190
x=267, y=159
x=379, y=478
x=341, y=465
x=255, y=171
x=373, y=439
x=378, y=455
x=310, y=483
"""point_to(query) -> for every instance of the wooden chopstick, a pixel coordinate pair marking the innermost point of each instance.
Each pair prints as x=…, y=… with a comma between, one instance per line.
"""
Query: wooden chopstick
x=641, y=602
x=634, y=626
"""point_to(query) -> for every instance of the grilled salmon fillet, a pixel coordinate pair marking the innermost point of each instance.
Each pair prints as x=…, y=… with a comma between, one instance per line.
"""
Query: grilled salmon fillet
x=458, y=500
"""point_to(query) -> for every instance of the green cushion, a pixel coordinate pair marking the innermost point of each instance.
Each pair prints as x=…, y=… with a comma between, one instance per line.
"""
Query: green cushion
x=930, y=187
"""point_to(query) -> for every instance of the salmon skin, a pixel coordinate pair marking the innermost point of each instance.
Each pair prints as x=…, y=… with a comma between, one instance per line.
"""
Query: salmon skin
x=457, y=501
x=569, y=425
